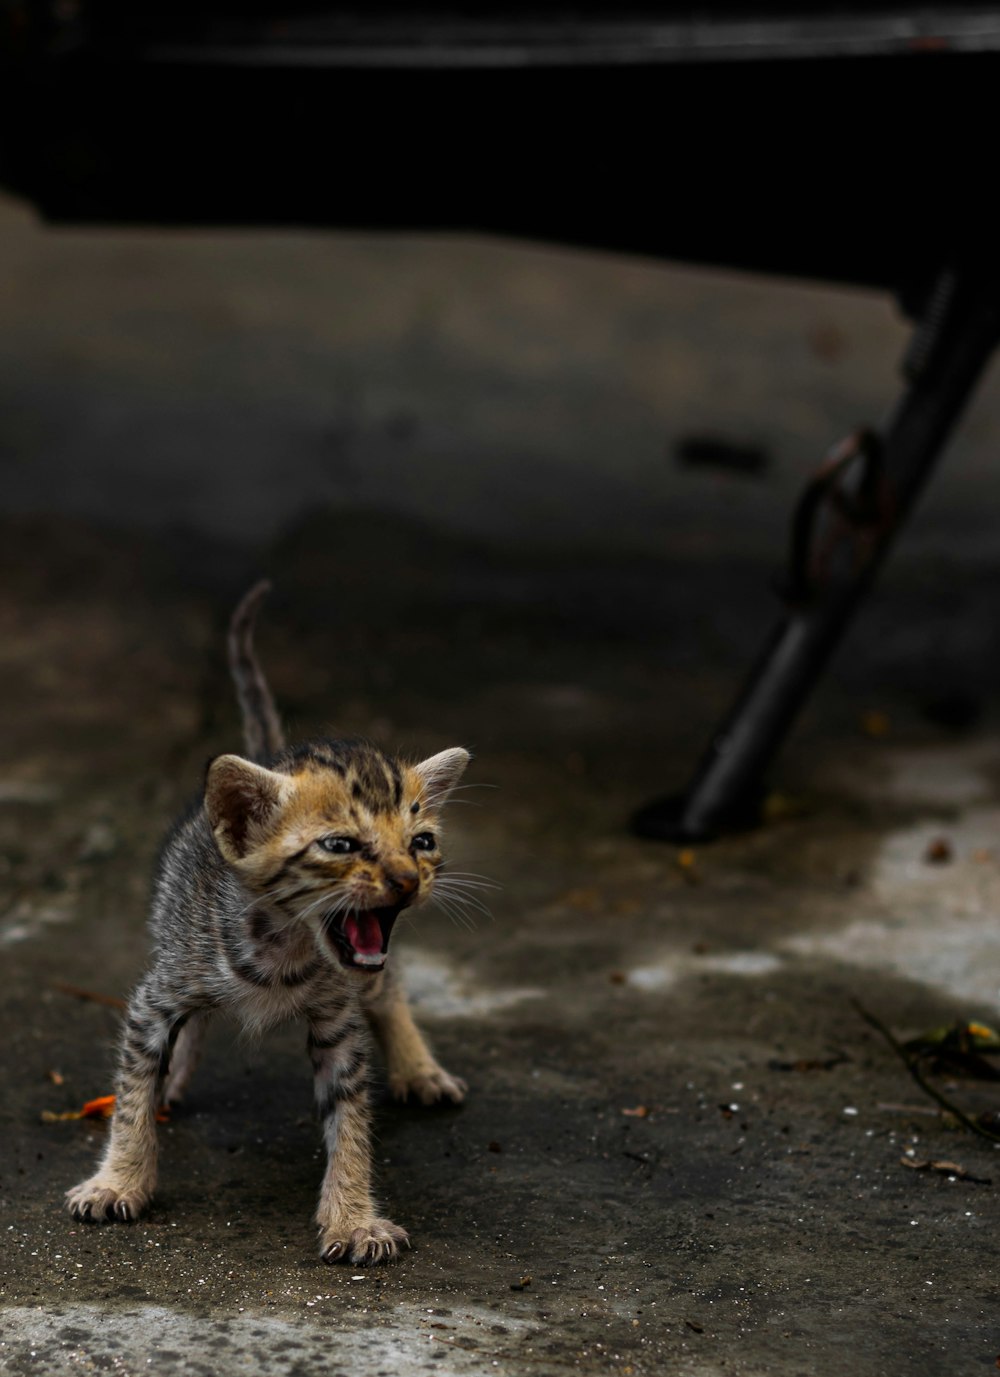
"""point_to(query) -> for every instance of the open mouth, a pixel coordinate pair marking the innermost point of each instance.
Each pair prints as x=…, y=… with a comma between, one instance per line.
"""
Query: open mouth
x=361, y=940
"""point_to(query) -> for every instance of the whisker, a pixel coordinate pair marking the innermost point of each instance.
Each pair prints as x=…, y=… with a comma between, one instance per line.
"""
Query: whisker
x=465, y=904
x=289, y=898
x=455, y=897
x=460, y=891
x=334, y=905
x=470, y=874
x=448, y=795
x=463, y=788
x=346, y=903
x=468, y=901
x=448, y=902
x=266, y=898
x=298, y=917
x=456, y=877
x=457, y=917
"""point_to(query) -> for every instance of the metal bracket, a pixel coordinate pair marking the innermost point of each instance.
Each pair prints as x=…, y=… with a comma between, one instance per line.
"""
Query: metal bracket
x=842, y=528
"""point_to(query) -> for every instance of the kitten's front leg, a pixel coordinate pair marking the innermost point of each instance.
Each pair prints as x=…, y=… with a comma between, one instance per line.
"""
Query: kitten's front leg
x=124, y=1182
x=410, y=1064
x=349, y=1226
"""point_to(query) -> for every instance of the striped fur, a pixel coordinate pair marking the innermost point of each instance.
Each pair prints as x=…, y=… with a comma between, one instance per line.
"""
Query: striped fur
x=274, y=898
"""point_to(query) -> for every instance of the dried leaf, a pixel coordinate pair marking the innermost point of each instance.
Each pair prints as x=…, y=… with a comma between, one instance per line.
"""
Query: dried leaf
x=875, y=724
x=939, y=851
x=686, y=862
x=781, y=807
x=959, y=1049
x=809, y=1063
x=582, y=898
x=101, y=1108
x=945, y=1169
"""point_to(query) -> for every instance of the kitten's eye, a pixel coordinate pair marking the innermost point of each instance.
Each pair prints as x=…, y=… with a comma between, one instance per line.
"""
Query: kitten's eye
x=424, y=841
x=340, y=846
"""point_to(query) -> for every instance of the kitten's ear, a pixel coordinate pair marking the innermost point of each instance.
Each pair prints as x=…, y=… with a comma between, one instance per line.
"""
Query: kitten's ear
x=242, y=801
x=440, y=773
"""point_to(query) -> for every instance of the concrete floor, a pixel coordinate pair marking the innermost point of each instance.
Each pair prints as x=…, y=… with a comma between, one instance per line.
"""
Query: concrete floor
x=456, y=462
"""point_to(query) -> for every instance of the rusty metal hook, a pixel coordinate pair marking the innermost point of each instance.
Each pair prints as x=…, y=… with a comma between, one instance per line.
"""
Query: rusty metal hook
x=860, y=511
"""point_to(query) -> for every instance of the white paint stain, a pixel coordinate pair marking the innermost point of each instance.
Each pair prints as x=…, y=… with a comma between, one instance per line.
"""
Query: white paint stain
x=401, y=1338
x=935, y=924
x=952, y=776
x=27, y=920
x=26, y=791
x=676, y=966
x=439, y=989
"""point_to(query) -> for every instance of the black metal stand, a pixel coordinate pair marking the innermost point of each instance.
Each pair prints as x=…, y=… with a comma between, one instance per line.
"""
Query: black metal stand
x=842, y=530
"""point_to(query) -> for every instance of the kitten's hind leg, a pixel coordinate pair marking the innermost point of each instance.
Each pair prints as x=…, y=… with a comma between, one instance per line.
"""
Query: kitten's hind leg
x=410, y=1064
x=185, y=1057
x=126, y=1177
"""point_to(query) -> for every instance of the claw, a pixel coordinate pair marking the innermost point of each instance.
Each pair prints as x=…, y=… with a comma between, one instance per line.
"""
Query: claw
x=367, y=1246
x=124, y=1213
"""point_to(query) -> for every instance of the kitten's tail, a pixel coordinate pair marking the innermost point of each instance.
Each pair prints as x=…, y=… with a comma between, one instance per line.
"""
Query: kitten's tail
x=262, y=731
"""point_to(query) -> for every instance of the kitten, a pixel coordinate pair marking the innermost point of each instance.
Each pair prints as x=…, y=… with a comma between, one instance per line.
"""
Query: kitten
x=275, y=897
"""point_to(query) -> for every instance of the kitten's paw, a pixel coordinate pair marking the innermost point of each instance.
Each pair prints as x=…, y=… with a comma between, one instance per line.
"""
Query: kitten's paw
x=429, y=1085
x=377, y=1241
x=98, y=1201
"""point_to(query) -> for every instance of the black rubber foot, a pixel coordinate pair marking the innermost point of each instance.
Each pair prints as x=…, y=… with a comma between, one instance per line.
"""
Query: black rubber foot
x=673, y=819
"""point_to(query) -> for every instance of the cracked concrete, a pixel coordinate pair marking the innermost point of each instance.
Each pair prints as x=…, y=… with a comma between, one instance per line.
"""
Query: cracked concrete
x=641, y=1181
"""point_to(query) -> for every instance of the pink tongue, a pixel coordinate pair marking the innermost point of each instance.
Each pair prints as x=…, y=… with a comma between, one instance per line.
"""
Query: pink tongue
x=364, y=934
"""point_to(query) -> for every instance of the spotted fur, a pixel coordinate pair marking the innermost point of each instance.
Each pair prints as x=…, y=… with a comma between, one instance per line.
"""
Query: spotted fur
x=275, y=898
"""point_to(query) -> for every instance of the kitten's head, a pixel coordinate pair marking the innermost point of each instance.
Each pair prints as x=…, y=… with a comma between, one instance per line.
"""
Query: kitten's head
x=336, y=835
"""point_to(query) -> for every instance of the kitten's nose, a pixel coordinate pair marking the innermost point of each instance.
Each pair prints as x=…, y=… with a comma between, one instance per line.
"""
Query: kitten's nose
x=402, y=880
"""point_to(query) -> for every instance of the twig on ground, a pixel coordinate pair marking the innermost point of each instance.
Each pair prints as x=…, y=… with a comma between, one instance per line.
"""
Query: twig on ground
x=909, y=1060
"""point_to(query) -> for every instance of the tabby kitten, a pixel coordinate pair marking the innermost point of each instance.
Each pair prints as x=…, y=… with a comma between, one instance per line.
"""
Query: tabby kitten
x=275, y=897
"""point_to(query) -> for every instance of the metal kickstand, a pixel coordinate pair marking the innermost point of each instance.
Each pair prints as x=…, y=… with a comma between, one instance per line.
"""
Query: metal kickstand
x=843, y=526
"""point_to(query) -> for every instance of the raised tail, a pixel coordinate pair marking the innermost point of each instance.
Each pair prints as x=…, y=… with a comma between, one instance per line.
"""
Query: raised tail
x=262, y=731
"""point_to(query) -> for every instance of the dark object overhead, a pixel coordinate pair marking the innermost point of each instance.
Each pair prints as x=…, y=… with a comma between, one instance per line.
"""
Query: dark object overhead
x=813, y=139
